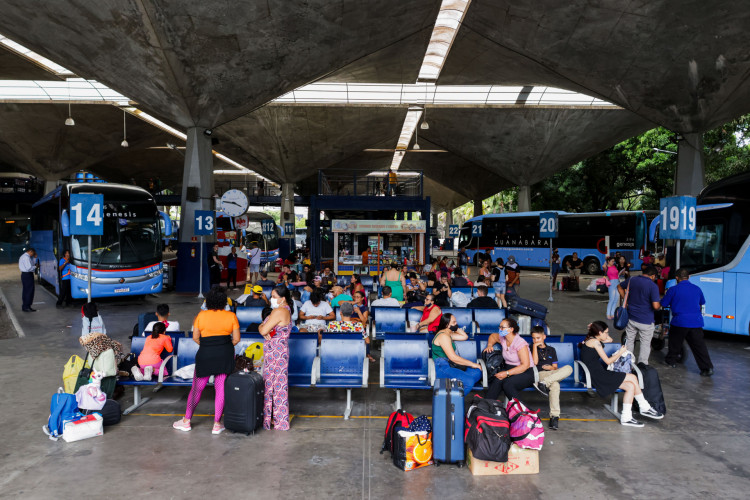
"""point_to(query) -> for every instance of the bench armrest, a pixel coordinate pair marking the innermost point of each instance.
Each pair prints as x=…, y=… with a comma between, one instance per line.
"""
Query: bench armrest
x=315, y=372
x=382, y=371
x=485, y=382
x=365, y=371
x=431, y=371
x=162, y=365
x=639, y=374
x=536, y=374
x=585, y=371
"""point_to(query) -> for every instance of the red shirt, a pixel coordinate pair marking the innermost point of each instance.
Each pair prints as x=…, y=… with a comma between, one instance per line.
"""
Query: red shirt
x=432, y=327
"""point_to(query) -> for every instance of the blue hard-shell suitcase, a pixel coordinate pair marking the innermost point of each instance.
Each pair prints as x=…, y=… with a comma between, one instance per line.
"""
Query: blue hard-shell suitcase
x=448, y=421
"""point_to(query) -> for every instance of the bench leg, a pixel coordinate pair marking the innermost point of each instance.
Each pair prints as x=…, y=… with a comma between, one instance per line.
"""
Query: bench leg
x=614, y=406
x=137, y=401
x=348, y=410
x=158, y=388
x=398, y=399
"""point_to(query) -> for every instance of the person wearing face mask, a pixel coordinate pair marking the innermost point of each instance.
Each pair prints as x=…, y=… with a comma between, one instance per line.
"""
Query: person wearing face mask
x=275, y=330
x=448, y=364
x=519, y=373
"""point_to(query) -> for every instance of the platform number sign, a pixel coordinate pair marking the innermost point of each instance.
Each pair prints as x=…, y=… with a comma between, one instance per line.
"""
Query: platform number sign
x=205, y=222
x=476, y=228
x=548, y=225
x=268, y=227
x=677, y=218
x=289, y=229
x=453, y=231
x=87, y=214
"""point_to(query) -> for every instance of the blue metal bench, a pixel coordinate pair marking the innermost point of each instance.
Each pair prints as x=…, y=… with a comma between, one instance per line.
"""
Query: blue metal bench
x=249, y=315
x=467, y=349
x=405, y=363
x=465, y=290
x=303, y=347
x=488, y=320
x=136, y=346
x=267, y=291
x=414, y=316
x=388, y=319
x=144, y=319
x=464, y=318
x=573, y=338
x=341, y=364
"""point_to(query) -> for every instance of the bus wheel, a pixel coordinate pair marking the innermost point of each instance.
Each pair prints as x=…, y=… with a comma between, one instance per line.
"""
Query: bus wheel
x=591, y=266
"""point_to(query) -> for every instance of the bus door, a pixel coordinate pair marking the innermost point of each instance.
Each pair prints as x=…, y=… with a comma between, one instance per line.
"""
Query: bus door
x=713, y=290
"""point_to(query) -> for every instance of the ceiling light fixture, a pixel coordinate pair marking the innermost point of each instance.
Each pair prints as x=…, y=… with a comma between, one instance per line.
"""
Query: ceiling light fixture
x=69, y=121
x=124, y=142
x=448, y=21
x=425, y=125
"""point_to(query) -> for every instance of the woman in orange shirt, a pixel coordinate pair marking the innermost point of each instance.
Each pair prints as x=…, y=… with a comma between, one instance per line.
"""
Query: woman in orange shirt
x=217, y=332
x=149, y=359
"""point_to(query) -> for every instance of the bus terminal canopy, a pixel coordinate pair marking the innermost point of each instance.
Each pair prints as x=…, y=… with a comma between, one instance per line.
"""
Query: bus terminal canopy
x=378, y=226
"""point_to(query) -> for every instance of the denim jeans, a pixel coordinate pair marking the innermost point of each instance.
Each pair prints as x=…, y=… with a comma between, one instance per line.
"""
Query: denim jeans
x=614, y=298
x=469, y=377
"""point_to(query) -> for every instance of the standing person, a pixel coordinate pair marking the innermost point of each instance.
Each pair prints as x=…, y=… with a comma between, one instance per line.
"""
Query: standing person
x=512, y=276
x=555, y=268
x=623, y=266
x=545, y=359
x=216, y=331
x=365, y=268
x=607, y=382
x=214, y=266
x=519, y=374
x=613, y=276
x=394, y=278
x=498, y=282
x=27, y=264
x=643, y=300
x=253, y=257
x=574, y=268
x=463, y=260
x=447, y=362
x=685, y=301
x=232, y=268
x=275, y=330
x=64, y=299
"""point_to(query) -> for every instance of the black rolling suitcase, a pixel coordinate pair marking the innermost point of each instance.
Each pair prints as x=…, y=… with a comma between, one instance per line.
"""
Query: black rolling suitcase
x=522, y=306
x=243, y=401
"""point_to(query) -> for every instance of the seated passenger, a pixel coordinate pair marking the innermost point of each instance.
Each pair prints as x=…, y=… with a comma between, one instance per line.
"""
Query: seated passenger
x=442, y=292
x=315, y=313
x=448, y=364
x=607, y=382
x=258, y=299
x=349, y=324
x=361, y=313
x=412, y=301
x=545, y=359
x=482, y=301
x=339, y=295
x=162, y=314
x=430, y=315
x=149, y=359
x=387, y=300
x=519, y=373
x=458, y=279
x=264, y=281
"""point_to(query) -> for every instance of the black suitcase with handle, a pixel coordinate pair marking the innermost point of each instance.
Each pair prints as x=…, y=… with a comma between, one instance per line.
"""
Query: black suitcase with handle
x=518, y=305
x=243, y=401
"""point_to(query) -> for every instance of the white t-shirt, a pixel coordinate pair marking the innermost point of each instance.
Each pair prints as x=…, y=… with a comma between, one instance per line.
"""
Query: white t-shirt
x=385, y=302
x=322, y=309
x=173, y=326
x=254, y=255
x=96, y=326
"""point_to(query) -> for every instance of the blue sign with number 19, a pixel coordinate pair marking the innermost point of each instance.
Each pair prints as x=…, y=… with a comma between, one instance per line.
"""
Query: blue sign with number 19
x=677, y=218
x=87, y=214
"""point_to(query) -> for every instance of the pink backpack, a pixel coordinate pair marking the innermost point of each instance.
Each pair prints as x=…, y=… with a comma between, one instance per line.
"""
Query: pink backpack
x=526, y=428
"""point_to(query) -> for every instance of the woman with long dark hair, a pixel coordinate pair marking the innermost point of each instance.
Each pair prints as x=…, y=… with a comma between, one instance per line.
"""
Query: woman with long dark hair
x=275, y=330
x=448, y=364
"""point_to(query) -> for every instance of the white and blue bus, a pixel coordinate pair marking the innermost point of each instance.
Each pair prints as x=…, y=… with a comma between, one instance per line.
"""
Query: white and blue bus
x=125, y=260
x=592, y=235
x=718, y=259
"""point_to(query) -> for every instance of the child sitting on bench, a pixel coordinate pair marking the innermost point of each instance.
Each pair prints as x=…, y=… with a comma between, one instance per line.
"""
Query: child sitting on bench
x=545, y=359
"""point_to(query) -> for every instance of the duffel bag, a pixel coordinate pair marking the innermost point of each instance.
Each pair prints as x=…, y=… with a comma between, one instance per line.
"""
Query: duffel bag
x=488, y=430
x=526, y=428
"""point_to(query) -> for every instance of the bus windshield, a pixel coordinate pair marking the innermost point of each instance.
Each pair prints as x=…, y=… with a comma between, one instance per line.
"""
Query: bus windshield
x=124, y=242
x=706, y=251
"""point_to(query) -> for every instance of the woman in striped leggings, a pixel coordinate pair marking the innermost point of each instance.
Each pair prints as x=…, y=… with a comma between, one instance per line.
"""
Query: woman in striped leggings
x=217, y=332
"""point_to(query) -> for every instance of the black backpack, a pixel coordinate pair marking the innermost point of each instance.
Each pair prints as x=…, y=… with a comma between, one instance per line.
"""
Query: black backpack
x=488, y=430
x=494, y=361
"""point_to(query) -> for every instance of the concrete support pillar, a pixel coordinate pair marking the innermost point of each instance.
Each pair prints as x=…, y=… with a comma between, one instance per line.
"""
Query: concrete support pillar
x=524, y=199
x=197, y=193
x=689, y=176
x=478, y=208
x=287, y=245
x=448, y=221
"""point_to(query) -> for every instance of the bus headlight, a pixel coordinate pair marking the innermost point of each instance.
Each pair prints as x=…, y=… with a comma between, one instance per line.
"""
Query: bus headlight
x=156, y=273
x=79, y=276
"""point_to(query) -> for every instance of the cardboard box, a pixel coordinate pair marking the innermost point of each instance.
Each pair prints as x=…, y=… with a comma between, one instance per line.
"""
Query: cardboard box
x=520, y=461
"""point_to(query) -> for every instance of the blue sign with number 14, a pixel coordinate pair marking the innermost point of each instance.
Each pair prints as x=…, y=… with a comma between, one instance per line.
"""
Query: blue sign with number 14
x=87, y=214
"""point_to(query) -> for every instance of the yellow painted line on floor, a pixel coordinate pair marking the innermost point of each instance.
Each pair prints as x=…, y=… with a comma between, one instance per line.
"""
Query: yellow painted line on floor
x=352, y=416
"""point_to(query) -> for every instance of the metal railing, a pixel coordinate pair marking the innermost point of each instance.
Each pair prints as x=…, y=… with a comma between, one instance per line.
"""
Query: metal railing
x=250, y=188
x=353, y=183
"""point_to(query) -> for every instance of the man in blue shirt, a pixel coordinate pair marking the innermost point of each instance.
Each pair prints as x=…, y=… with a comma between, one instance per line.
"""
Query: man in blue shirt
x=642, y=301
x=685, y=301
x=64, y=299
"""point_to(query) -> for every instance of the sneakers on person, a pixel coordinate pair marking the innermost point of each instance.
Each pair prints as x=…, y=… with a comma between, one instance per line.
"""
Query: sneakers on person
x=542, y=387
x=182, y=425
x=218, y=428
x=148, y=372
x=651, y=413
x=553, y=423
x=631, y=422
x=136, y=373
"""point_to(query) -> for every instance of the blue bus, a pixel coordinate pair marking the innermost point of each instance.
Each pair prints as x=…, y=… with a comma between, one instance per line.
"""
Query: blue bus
x=125, y=260
x=719, y=257
x=592, y=235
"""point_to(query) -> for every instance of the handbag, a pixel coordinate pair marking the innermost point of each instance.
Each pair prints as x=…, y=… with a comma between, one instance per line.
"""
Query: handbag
x=412, y=450
x=108, y=383
x=621, y=313
x=623, y=364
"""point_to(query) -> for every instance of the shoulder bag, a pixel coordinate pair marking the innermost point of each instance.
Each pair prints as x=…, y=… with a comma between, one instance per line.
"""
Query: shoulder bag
x=621, y=313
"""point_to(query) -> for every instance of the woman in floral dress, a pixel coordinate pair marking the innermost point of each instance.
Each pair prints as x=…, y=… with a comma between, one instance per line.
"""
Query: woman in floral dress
x=275, y=330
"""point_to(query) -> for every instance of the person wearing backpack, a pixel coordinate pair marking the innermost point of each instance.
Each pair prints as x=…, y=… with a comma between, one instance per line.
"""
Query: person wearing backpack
x=448, y=364
x=545, y=359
